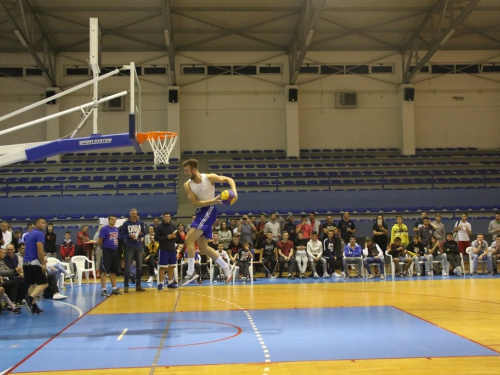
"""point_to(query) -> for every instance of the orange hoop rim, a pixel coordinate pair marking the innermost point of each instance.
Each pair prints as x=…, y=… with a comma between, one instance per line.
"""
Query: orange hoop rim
x=146, y=136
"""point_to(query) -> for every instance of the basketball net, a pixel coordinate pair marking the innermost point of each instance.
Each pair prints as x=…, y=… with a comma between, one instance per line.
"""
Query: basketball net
x=162, y=144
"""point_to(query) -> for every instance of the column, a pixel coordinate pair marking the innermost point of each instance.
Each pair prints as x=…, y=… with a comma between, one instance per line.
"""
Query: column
x=291, y=124
x=174, y=120
x=407, y=121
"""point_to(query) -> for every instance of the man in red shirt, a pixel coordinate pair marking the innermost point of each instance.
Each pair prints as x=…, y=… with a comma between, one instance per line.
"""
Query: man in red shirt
x=285, y=253
x=304, y=228
x=81, y=238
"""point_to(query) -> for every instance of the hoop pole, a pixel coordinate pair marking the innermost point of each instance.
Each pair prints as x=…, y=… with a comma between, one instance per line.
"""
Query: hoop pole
x=59, y=114
x=95, y=97
x=132, y=87
x=62, y=93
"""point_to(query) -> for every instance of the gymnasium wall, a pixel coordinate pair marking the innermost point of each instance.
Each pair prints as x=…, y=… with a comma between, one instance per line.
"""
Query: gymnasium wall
x=247, y=112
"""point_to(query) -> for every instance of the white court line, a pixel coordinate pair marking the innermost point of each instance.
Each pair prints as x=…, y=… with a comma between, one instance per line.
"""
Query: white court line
x=123, y=334
x=265, y=350
x=1, y=373
x=69, y=304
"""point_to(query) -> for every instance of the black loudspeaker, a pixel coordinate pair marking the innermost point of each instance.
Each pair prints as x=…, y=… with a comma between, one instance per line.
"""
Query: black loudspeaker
x=173, y=96
x=409, y=94
x=293, y=95
x=48, y=94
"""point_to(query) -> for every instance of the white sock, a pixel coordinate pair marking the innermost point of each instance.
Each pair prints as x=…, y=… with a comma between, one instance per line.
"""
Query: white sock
x=190, y=266
x=223, y=265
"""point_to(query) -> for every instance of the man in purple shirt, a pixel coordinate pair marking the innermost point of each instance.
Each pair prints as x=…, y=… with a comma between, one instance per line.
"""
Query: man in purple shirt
x=108, y=241
x=34, y=267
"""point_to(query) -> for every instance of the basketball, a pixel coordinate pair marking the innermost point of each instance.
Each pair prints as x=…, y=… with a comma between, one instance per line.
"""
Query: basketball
x=227, y=197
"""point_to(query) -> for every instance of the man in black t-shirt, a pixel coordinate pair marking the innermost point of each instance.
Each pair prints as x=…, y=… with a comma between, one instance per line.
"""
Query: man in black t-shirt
x=269, y=256
x=347, y=228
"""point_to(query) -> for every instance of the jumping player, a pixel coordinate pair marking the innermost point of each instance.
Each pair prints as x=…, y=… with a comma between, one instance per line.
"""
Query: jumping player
x=200, y=190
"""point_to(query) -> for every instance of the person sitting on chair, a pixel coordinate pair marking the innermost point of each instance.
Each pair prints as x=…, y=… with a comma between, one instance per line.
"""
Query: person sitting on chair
x=495, y=252
x=480, y=251
x=352, y=255
x=373, y=255
x=218, y=272
x=152, y=256
x=315, y=254
x=452, y=251
x=243, y=258
x=269, y=255
x=436, y=253
x=399, y=255
x=417, y=249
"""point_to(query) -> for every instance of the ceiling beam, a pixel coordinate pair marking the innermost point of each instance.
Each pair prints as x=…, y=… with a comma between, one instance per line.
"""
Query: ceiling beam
x=169, y=39
x=303, y=36
x=441, y=35
x=28, y=29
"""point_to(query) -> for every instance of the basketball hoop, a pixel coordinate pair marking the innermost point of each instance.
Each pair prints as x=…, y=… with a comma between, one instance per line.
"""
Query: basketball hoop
x=162, y=144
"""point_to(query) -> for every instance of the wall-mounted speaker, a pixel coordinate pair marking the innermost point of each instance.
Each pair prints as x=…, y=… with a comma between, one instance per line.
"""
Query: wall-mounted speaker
x=173, y=96
x=293, y=95
x=409, y=94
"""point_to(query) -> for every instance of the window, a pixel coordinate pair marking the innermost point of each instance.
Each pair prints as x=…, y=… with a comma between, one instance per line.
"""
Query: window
x=491, y=68
x=332, y=69
x=77, y=71
x=387, y=69
x=11, y=72
x=194, y=70
x=33, y=72
x=357, y=69
x=270, y=69
x=213, y=70
x=245, y=70
x=155, y=70
x=462, y=69
x=443, y=69
x=425, y=69
x=309, y=69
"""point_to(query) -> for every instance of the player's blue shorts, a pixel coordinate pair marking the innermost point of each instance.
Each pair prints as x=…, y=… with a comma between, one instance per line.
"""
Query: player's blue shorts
x=167, y=258
x=205, y=219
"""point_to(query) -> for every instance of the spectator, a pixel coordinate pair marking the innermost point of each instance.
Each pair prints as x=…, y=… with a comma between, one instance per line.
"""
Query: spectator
x=11, y=306
x=218, y=272
x=16, y=236
x=315, y=254
x=495, y=252
x=216, y=226
x=315, y=224
x=304, y=228
x=246, y=230
x=327, y=226
x=152, y=257
x=236, y=225
x=225, y=234
x=12, y=261
x=439, y=229
x=67, y=249
x=494, y=227
x=380, y=232
x=352, y=255
x=108, y=241
x=82, y=237
x=400, y=230
x=180, y=237
x=452, y=251
x=274, y=226
x=436, y=254
x=6, y=234
x=285, y=255
x=165, y=234
x=399, y=255
x=97, y=251
x=8, y=275
x=269, y=255
x=260, y=236
x=425, y=231
x=347, y=228
x=156, y=222
x=300, y=245
x=234, y=246
x=53, y=276
x=147, y=237
x=373, y=255
x=290, y=228
x=243, y=258
x=338, y=253
x=29, y=228
x=463, y=230
x=50, y=241
x=417, y=249
x=20, y=253
x=132, y=232
x=419, y=222
x=480, y=251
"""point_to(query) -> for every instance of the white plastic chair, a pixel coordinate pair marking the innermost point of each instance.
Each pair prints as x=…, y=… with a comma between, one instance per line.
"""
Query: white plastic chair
x=176, y=272
x=393, y=267
x=79, y=262
x=60, y=283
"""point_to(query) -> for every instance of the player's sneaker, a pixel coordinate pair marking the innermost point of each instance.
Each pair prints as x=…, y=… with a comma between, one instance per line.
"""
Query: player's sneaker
x=172, y=286
x=104, y=293
x=116, y=292
x=189, y=278
x=36, y=310
x=160, y=286
x=29, y=301
x=229, y=278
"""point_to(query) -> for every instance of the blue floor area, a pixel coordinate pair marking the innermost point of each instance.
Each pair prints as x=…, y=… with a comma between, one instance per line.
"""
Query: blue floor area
x=221, y=337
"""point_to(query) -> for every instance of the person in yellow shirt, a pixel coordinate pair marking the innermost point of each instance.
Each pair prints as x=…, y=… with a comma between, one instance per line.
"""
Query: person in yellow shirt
x=400, y=230
x=152, y=257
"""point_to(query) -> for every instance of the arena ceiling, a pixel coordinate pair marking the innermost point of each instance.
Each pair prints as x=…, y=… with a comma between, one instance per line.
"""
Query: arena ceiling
x=292, y=26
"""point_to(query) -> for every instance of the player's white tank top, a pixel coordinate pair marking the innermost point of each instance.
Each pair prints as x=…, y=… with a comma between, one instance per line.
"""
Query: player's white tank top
x=205, y=190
